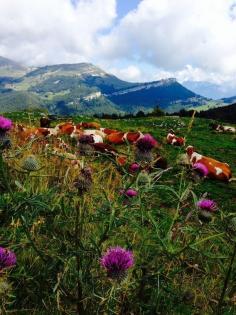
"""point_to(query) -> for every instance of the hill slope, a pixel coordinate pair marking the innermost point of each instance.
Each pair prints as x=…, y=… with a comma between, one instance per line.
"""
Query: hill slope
x=164, y=93
x=81, y=86
x=13, y=101
x=10, y=68
x=229, y=100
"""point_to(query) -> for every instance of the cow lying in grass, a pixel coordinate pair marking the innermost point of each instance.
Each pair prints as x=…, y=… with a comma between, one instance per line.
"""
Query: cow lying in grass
x=122, y=137
x=174, y=140
x=222, y=128
x=213, y=168
x=76, y=131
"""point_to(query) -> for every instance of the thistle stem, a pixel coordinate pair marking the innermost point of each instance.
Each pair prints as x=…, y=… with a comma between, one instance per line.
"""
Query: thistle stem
x=226, y=282
x=3, y=173
x=78, y=233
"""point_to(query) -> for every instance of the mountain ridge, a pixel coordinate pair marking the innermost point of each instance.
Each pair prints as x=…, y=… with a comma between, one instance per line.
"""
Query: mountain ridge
x=10, y=68
x=73, y=84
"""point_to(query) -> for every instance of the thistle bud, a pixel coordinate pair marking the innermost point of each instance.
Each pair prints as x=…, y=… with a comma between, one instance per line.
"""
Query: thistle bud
x=84, y=144
x=144, y=178
x=30, y=164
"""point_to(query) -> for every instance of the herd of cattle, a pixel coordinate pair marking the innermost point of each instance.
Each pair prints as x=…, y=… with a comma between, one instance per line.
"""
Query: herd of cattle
x=103, y=140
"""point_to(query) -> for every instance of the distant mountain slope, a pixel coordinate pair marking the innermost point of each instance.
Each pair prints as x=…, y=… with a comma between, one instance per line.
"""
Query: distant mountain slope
x=127, y=96
x=10, y=68
x=163, y=93
x=78, y=69
x=14, y=101
x=229, y=100
x=81, y=73
x=88, y=107
x=83, y=87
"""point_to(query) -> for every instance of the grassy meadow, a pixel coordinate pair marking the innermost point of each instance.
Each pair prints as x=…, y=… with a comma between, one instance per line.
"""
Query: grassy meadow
x=182, y=265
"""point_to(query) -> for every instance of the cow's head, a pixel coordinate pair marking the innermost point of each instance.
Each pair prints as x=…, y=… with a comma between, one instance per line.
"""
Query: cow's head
x=220, y=128
x=189, y=150
x=213, y=126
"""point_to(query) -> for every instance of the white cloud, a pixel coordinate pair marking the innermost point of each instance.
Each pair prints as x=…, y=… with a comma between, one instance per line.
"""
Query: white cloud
x=51, y=31
x=189, y=73
x=189, y=38
x=131, y=73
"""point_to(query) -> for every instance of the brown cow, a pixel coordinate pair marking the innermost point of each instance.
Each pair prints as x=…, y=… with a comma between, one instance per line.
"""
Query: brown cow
x=121, y=137
x=88, y=125
x=216, y=170
x=174, y=140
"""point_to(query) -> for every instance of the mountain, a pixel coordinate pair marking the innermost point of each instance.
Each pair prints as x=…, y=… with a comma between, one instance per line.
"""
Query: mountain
x=19, y=100
x=85, y=79
x=11, y=69
x=85, y=88
x=85, y=73
x=229, y=100
x=164, y=93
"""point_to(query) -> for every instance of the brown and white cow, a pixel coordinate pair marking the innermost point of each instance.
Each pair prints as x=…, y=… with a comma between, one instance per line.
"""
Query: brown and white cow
x=122, y=137
x=88, y=125
x=108, y=131
x=97, y=135
x=116, y=137
x=65, y=128
x=26, y=133
x=222, y=128
x=216, y=169
x=174, y=140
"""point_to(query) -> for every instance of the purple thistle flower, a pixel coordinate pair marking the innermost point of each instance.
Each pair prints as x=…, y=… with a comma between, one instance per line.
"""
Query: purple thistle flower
x=201, y=168
x=146, y=144
x=207, y=205
x=5, y=124
x=129, y=192
x=117, y=261
x=134, y=167
x=7, y=258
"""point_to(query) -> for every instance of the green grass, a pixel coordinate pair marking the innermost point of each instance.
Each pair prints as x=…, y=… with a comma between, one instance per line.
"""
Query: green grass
x=59, y=235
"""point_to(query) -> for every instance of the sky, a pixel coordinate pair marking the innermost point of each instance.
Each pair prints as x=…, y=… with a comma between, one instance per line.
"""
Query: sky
x=137, y=40
x=124, y=6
